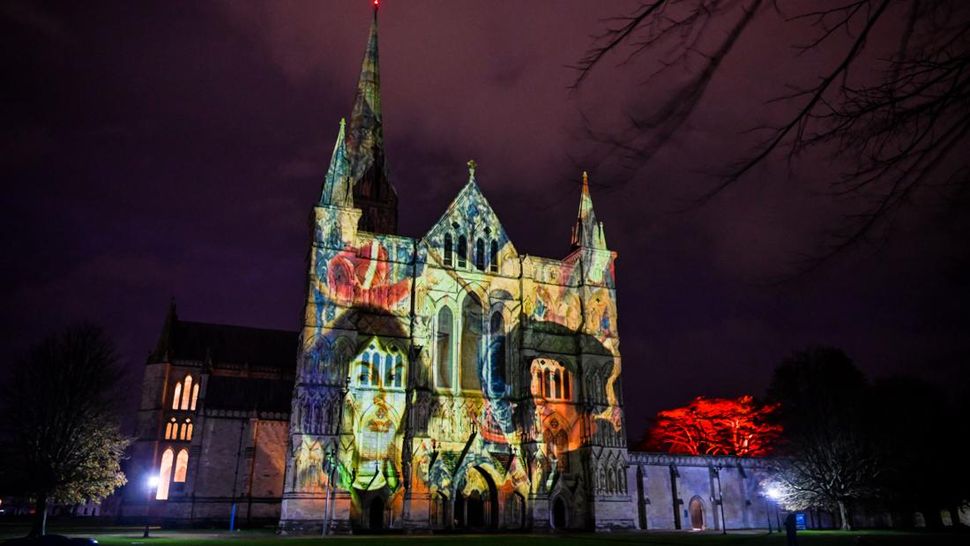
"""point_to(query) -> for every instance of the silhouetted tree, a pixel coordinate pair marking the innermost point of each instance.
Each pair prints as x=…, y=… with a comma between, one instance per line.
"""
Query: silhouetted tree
x=890, y=105
x=915, y=423
x=60, y=436
x=830, y=458
x=716, y=426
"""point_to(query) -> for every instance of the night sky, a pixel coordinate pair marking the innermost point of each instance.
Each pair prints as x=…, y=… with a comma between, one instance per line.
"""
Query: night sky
x=158, y=150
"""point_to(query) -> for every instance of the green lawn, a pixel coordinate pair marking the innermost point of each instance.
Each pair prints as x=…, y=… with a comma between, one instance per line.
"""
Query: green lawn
x=133, y=536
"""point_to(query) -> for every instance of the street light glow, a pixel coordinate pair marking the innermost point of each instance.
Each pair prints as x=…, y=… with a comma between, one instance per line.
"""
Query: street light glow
x=773, y=493
x=152, y=482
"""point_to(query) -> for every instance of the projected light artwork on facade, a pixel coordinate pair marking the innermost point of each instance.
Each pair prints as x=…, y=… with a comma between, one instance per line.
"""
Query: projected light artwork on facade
x=449, y=380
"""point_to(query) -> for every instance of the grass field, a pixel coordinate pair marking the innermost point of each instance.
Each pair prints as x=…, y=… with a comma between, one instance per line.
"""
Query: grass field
x=117, y=536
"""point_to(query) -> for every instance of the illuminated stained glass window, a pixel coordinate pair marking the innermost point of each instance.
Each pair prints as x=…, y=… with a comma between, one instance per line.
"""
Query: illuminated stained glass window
x=471, y=341
x=493, y=256
x=186, y=392
x=164, y=474
x=185, y=395
x=443, y=354
x=170, y=428
x=480, y=255
x=185, y=431
x=181, y=466
x=462, y=251
x=449, y=259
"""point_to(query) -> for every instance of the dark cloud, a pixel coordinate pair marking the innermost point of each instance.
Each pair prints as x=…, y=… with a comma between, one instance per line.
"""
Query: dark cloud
x=157, y=150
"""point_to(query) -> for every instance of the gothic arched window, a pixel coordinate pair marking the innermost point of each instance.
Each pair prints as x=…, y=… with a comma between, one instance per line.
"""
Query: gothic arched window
x=496, y=354
x=471, y=341
x=448, y=250
x=164, y=474
x=493, y=256
x=181, y=466
x=480, y=255
x=195, y=396
x=393, y=369
x=378, y=367
x=186, y=395
x=185, y=433
x=177, y=397
x=462, y=251
x=443, y=358
x=550, y=379
x=186, y=392
x=170, y=429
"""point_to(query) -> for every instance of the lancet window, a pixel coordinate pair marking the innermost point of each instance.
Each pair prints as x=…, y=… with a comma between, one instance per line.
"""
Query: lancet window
x=471, y=341
x=185, y=395
x=380, y=368
x=164, y=474
x=448, y=250
x=462, y=251
x=551, y=380
x=480, y=254
x=181, y=466
x=496, y=350
x=493, y=256
x=444, y=361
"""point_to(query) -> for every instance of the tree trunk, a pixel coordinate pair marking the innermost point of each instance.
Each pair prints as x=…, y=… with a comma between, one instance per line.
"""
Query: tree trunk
x=39, y=528
x=844, y=516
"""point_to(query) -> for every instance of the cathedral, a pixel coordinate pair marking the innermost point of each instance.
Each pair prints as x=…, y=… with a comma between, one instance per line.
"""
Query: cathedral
x=444, y=382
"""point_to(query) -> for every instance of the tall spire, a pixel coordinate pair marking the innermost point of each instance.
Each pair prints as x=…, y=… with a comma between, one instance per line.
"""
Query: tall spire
x=336, y=187
x=372, y=192
x=587, y=233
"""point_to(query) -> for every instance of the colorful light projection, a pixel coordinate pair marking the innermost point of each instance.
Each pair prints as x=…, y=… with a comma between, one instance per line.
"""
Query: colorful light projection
x=413, y=375
x=716, y=426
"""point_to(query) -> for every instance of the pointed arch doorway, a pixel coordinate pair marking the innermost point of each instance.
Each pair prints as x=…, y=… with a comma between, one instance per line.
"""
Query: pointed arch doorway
x=696, y=511
x=375, y=515
x=476, y=501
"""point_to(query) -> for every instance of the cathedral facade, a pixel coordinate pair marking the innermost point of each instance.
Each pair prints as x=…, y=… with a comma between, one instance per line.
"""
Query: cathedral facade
x=438, y=383
x=449, y=380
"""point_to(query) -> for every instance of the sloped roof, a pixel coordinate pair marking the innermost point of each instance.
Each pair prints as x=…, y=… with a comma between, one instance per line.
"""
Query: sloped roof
x=245, y=394
x=223, y=344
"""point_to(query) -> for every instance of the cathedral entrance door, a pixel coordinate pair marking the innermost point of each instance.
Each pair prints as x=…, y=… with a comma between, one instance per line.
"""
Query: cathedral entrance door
x=376, y=514
x=476, y=501
x=559, y=513
x=696, y=509
x=476, y=510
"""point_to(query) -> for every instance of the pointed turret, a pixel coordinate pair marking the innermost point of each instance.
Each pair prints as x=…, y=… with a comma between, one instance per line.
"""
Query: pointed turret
x=372, y=192
x=337, y=185
x=587, y=233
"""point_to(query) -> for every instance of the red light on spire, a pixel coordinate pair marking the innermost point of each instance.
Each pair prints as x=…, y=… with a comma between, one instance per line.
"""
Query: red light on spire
x=377, y=3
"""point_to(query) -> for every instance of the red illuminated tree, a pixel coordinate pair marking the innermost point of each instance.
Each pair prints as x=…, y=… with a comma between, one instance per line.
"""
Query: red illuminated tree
x=716, y=426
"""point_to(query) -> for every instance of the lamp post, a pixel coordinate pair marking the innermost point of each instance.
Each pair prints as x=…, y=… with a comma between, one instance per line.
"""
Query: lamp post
x=150, y=485
x=774, y=495
x=328, y=508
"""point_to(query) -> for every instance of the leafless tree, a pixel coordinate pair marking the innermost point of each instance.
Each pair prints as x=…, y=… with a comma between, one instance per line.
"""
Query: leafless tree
x=903, y=131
